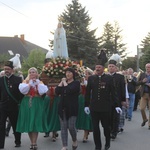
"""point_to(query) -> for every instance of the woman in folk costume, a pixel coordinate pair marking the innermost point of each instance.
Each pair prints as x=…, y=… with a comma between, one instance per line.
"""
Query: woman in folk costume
x=50, y=114
x=31, y=107
x=84, y=120
x=50, y=109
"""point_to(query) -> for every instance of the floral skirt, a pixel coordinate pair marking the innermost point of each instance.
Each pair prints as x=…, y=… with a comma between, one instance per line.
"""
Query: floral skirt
x=30, y=115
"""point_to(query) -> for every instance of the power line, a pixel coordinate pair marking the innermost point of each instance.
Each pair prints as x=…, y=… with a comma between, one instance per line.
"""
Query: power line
x=13, y=9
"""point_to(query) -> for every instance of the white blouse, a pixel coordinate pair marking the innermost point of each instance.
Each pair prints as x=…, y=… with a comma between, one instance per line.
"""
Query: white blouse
x=25, y=87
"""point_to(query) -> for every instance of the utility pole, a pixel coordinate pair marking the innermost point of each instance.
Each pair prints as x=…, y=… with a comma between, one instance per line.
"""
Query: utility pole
x=139, y=54
x=137, y=58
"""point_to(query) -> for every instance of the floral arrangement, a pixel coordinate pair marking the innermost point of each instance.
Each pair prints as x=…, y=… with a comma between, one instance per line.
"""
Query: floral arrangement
x=55, y=68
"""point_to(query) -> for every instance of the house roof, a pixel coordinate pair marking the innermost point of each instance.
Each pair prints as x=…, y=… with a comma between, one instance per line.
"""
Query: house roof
x=17, y=45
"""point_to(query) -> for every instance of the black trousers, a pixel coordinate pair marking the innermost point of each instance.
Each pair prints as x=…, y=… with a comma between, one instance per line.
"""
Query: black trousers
x=8, y=126
x=104, y=118
x=13, y=116
x=137, y=99
x=115, y=117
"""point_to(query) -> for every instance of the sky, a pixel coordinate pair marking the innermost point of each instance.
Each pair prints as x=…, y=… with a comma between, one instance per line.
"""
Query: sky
x=36, y=18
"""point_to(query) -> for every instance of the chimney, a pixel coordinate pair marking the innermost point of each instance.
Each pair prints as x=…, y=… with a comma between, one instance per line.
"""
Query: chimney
x=22, y=38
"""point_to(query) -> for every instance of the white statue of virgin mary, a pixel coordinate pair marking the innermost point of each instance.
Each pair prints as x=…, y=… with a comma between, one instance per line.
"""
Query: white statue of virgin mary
x=60, y=43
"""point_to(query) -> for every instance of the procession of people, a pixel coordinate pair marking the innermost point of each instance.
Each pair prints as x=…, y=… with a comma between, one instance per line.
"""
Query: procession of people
x=73, y=104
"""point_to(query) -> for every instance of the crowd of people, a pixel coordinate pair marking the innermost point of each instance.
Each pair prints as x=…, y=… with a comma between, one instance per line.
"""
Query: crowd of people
x=102, y=97
x=109, y=98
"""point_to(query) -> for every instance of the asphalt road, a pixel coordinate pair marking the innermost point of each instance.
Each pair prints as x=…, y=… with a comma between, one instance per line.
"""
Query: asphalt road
x=134, y=137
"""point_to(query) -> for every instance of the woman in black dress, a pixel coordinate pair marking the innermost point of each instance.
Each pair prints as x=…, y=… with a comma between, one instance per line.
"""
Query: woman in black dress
x=68, y=90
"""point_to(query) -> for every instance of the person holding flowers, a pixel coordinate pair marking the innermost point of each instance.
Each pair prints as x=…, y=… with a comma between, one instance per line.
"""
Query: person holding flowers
x=31, y=107
x=68, y=90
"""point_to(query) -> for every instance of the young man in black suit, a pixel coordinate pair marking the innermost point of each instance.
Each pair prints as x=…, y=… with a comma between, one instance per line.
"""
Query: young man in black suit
x=119, y=82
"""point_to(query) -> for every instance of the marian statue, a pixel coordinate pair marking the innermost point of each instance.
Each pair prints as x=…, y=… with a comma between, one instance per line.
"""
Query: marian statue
x=60, y=43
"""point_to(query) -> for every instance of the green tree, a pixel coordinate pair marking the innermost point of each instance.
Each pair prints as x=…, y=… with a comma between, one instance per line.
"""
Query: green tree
x=130, y=62
x=146, y=43
x=35, y=59
x=106, y=38
x=81, y=41
x=3, y=59
x=145, y=58
x=111, y=39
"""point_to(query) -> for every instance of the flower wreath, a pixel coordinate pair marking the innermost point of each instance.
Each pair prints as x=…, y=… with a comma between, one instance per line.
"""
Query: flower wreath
x=56, y=67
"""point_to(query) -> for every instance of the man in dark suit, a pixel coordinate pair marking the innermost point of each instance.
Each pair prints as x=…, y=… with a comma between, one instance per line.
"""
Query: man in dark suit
x=119, y=82
x=10, y=97
x=98, y=101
